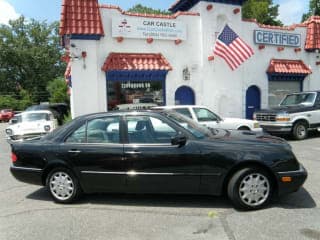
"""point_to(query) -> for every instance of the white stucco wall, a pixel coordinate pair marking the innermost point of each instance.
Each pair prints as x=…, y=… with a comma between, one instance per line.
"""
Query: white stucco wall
x=214, y=83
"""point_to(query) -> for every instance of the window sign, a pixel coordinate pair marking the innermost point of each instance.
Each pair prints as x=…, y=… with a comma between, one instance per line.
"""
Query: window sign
x=277, y=38
x=165, y=29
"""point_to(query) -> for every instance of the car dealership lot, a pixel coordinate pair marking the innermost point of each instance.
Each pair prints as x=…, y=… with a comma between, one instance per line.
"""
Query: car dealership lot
x=27, y=211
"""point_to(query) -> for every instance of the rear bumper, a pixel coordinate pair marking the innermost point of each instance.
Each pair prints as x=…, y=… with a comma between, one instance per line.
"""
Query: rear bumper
x=27, y=175
x=298, y=178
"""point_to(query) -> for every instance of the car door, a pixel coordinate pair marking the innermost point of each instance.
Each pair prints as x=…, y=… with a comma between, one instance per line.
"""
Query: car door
x=155, y=164
x=96, y=152
x=206, y=117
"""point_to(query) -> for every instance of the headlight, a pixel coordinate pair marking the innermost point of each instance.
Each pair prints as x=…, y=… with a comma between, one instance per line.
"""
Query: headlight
x=283, y=117
x=9, y=132
x=256, y=125
x=47, y=128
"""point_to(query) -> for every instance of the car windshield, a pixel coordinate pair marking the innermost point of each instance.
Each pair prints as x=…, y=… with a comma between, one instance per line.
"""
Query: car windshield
x=299, y=99
x=191, y=126
x=30, y=117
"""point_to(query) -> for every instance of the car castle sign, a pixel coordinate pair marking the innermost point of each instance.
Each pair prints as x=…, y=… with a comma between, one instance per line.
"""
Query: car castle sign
x=143, y=28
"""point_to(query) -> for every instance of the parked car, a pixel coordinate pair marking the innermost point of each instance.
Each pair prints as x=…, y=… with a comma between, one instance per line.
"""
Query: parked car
x=6, y=115
x=206, y=117
x=157, y=152
x=30, y=124
x=59, y=110
x=296, y=115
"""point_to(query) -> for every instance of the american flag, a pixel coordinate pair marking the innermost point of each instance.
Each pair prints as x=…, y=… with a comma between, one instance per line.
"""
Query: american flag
x=232, y=48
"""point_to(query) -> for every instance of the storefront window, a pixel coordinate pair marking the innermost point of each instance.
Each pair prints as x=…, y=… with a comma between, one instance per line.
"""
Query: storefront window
x=134, y=92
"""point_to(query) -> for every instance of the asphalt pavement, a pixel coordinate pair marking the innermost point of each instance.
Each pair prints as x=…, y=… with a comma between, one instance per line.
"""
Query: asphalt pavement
x=28, y=213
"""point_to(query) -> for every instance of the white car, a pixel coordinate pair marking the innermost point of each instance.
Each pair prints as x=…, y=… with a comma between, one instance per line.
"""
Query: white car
x=30, y=124
x=208, y=118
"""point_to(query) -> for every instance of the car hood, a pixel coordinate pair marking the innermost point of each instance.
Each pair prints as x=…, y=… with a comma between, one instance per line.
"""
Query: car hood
x=238, y=120
x=288, y=109
x=247, y=137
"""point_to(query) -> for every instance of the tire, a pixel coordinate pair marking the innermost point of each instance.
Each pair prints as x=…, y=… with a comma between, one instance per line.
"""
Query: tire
x=63, y=185
x=250, y=189
x=300, y=131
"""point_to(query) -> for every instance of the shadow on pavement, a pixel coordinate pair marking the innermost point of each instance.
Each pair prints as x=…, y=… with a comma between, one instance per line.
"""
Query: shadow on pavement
x=297, y=200
x=300, y=199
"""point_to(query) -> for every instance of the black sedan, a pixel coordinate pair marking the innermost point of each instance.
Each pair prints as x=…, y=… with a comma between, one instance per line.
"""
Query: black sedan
x=157, y=152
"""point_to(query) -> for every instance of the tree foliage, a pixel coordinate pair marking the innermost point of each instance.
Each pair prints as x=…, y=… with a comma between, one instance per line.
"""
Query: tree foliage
x=58, y=91
x=29, y=58
x=314, y=10
x=138, y=8
x=264, y=11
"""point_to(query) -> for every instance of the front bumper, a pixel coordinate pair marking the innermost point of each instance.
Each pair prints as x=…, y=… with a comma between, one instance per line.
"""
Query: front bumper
x=276, y=127
x=298, y=178
x=27, y=175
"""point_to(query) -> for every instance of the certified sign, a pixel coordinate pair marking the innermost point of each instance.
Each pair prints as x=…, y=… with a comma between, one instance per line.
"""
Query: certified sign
x=166, y=29
x=277, y=38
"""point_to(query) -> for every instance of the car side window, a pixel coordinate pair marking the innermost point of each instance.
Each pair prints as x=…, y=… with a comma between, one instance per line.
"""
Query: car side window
x=103, y=130
x=78, y=136
x=184, y=111
x=204, y=115
x=149, y=130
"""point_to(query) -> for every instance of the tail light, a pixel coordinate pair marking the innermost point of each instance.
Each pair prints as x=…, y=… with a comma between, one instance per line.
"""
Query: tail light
x=14, y=157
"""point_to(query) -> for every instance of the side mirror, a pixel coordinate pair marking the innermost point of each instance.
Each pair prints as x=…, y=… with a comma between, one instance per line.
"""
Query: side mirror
x=179, y=140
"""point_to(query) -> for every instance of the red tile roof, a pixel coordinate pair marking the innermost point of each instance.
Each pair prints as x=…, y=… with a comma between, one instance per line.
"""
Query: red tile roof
x=288, y=67
x=136, y=61
x=80, y=17
x=147, y=15
x=313, y=33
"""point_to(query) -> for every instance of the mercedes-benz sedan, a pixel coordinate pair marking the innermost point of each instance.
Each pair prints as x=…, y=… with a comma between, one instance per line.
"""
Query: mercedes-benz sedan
x=157, y=152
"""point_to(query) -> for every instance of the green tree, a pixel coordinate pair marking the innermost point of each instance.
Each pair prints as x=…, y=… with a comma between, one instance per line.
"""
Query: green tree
x=138, y=8
x=314, y=10
x=264, y=11
x=58, y=91
x=29, y=57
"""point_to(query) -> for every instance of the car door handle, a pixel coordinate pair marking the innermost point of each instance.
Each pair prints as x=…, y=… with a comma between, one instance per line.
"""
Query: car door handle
x=132, y=152
x=74, y=151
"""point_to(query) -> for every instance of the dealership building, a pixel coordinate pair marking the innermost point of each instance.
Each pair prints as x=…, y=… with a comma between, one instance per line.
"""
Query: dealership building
x=117, y=57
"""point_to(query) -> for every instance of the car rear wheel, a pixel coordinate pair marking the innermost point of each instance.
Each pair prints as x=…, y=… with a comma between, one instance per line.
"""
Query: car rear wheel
x=63, y=185
x=300, y=131
x=250, y=189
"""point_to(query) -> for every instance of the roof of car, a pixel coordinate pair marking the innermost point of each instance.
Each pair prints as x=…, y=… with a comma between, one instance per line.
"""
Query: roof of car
x=178, y=106
x=35, y=111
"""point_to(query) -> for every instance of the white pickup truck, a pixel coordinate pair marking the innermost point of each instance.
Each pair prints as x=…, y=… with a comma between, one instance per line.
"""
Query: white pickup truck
x=296, y=115
x=208, y=118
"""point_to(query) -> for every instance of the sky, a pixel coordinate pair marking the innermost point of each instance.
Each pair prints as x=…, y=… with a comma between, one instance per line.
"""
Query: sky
x=290, y=11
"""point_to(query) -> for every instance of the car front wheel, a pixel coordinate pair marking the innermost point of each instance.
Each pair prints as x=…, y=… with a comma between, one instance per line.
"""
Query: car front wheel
x=63, y=185
x=300, y=131
x=250, y=189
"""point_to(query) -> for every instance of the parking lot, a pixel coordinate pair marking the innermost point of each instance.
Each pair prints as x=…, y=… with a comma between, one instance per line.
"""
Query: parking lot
x=27, y=211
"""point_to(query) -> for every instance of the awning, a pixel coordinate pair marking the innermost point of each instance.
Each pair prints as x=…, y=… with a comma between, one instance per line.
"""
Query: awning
x=136, y=62
x=136, y=67
x=284, y=67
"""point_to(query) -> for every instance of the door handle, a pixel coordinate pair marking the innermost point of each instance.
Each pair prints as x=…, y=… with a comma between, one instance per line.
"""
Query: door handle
x=132, y=152
x=74, y=151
